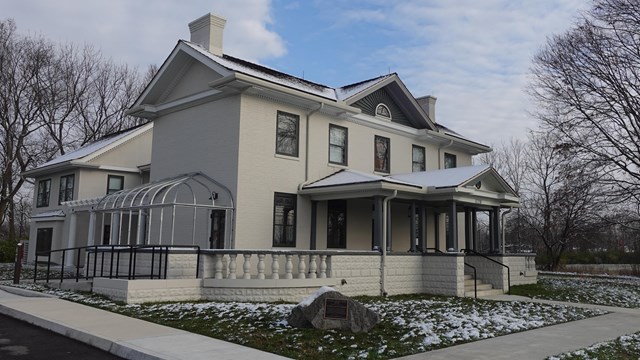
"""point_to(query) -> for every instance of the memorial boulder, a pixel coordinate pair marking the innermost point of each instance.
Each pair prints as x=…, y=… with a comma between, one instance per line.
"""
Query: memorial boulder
x=328, y=309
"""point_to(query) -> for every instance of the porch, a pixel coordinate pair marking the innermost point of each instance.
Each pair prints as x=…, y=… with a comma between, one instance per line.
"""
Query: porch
x=178, y=274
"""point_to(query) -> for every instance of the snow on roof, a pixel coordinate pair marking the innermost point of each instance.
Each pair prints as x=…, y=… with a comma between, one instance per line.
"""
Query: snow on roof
x=346, y=177
x=442, y=178
x=262, y=72
x=89, y=148
x=52, y=213
x=348, y=91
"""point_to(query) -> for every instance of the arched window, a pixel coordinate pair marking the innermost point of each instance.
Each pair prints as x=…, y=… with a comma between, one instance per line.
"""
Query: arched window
x=383, y=111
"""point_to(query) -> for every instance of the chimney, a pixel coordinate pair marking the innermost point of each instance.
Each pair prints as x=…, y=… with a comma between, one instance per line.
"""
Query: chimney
x=207, y=32
x=428, y=104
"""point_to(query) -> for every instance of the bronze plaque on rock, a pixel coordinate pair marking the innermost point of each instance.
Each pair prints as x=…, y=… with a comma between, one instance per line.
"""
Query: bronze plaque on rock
x=336, y=309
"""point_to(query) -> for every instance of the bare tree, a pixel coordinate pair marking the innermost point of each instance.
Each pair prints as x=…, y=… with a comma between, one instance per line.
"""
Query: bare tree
x=560, y=196
x=54, y=98
x=587, y=84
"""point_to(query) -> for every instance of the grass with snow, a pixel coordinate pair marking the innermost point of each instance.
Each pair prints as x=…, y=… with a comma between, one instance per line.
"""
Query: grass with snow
x=626, y=347
x=609, y=291
x=409, y=324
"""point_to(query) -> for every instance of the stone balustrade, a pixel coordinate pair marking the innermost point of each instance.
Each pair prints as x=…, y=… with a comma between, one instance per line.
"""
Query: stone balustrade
x=267, y=264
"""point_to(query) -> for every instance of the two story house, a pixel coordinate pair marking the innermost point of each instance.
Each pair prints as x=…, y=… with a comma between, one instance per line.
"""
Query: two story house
x=244, y=157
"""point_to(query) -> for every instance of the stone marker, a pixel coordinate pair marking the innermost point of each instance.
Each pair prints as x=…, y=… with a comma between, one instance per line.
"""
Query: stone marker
x=328, y=309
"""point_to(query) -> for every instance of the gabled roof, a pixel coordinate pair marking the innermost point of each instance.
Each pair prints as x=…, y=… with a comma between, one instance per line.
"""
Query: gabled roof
x=89, y=151
x=348, y=91
x=428, y=183
x=347, y=177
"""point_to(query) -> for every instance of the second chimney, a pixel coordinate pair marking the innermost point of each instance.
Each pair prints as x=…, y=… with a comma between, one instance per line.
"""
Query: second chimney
x=207, y=32
x=428, y=104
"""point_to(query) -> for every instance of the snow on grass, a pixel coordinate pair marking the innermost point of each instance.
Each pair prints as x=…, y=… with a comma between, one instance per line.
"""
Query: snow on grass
x=610, y=291
x=409, y=324
x=624, y=347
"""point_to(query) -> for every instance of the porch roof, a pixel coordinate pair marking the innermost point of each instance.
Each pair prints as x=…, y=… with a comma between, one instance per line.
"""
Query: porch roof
x=479, y=184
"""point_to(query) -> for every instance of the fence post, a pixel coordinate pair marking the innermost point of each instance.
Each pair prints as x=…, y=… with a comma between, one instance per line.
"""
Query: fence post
x=18, y=265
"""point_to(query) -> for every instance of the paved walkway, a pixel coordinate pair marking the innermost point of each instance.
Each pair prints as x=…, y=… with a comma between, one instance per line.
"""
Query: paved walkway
x=141, y=340
x=120, y=335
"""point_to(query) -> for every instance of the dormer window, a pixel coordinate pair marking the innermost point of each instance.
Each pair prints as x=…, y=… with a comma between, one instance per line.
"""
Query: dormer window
x=383, y=111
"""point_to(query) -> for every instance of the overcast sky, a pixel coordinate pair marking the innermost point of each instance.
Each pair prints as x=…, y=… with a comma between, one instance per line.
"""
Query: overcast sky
x=472, y=55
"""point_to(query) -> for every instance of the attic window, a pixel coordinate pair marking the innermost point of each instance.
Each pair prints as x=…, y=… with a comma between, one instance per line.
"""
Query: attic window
x=383, y=111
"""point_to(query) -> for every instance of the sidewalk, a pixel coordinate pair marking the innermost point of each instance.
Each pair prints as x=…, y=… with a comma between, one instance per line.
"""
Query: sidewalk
x=137, y=339
x=120, y=335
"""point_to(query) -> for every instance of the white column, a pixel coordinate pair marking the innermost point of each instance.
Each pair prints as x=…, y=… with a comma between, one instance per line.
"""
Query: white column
x=73, y=218
x=115, y=229
x=92, y=229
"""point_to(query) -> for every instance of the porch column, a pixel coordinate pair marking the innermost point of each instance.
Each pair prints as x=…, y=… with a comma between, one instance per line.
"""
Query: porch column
x=422, y=235
x=412, y=219
x=452, y=239
x=436, y=229
x=377, y=222
x=468, y=238
x=474, y=229
x=496, y=230
x=73, y=218
x=491, y=232
x=142, y=220
x=92, y=229
x=314, y=215
x=389, y=239
x=115, y=229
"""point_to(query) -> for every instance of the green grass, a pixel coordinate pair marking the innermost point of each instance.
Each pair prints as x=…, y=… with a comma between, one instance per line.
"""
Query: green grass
x=623, y=292
x=626, y=347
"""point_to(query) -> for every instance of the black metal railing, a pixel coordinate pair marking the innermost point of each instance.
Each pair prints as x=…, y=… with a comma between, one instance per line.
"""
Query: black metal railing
x=475, y=277
x=96, y=253
x=469, y=251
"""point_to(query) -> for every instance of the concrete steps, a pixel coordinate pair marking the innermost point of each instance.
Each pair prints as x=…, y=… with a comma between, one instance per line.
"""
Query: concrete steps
x=484, y=289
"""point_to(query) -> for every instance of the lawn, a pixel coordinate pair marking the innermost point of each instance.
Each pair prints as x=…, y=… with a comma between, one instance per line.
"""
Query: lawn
x=599, y=290
x=626, y=347
x=409, y=324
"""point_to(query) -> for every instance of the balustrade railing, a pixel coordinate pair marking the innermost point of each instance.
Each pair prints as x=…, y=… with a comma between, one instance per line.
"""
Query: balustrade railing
x=267, y=264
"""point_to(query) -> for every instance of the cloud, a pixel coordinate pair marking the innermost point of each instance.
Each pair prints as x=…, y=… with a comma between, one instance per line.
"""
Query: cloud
x=140, y=33
x=474, y=56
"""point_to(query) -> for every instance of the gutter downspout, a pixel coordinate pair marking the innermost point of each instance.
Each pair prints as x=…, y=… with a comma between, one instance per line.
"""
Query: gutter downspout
x=306, y=151
x=383, y=264
x=502, y=228
x=440, y=153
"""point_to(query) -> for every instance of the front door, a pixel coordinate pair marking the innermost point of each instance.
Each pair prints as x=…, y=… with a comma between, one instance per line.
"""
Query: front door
x=216, y=241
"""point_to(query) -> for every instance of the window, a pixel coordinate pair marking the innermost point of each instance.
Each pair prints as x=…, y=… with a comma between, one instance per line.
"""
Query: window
x=383, y=111
x=449, y=161
x=66, y=188
x=44, y=190
x=337, y=224
x=284, y=219
x=43, y=240
x=382, y=154
x=287, y=134
x=417, y=158
x=338, y=144
x=115, y=183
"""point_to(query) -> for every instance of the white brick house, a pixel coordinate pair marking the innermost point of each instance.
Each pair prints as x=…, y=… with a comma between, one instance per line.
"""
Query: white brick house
x=309, y=177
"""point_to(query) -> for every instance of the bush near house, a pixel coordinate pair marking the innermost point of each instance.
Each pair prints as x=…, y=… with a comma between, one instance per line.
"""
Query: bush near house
x=7, y=251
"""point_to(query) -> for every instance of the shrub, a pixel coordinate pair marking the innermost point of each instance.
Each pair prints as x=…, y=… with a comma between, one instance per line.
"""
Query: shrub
x=7, y=251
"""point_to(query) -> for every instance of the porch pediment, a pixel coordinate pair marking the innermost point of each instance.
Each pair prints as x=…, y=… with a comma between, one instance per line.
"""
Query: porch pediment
x=471, y=184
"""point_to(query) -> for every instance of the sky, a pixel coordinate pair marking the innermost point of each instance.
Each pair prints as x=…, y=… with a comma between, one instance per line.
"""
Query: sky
x=474, y=56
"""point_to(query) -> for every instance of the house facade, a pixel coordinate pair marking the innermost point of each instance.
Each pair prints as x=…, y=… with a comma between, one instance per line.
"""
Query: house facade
x=285, y=166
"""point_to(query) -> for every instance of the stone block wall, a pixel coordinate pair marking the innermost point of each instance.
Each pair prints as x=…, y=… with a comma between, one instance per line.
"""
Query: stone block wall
x=522, y=268
x=487, y=271
x=404, y=274
x=356, y=274
x=140, y=291
x=286, y=294
x=180, y=266
x=443, y=274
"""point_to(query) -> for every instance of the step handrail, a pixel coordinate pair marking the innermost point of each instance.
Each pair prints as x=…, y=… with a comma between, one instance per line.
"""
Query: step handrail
x=475, y=273
x=495, y=261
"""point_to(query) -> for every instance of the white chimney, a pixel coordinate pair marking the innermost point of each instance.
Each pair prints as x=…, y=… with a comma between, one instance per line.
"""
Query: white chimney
x=428, y=104
x=207, y=31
